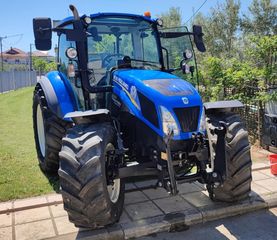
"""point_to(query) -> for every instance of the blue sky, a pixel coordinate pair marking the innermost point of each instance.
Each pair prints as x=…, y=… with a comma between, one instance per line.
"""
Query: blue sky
x=16, y=15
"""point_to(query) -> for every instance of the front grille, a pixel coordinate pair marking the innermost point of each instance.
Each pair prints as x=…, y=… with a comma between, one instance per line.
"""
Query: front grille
x=148, y=109
x=188, y=118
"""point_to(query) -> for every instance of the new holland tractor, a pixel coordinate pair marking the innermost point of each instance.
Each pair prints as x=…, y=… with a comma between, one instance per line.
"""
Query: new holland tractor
x=118, y=108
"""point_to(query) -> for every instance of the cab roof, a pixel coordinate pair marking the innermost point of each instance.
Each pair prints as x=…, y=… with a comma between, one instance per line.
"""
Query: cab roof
x=99, y=15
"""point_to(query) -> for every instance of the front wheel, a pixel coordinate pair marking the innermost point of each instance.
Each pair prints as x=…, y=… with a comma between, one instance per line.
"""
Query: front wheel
x=237, y=184
x=48, y=132
x=89, y=198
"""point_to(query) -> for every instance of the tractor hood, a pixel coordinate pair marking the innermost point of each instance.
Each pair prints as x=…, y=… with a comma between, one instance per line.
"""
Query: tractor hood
x=160, y=87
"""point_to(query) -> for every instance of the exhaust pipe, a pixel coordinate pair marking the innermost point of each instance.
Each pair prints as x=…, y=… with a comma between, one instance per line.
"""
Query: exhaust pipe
x=74, y=12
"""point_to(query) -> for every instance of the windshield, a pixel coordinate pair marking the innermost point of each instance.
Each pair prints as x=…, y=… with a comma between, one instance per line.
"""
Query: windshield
x=174, y=49
x=110, y=39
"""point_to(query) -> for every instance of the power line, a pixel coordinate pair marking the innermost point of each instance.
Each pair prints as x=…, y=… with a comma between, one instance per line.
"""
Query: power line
x=196, y=11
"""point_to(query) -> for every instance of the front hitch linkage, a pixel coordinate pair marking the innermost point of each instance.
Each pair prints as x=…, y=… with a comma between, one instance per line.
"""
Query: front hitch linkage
x=171, y=184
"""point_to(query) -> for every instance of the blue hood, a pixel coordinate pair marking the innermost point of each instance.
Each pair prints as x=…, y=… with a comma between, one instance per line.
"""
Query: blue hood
x=161, y=87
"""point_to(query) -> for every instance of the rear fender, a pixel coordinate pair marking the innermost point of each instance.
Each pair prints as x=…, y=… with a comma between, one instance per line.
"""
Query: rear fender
x=59, y=94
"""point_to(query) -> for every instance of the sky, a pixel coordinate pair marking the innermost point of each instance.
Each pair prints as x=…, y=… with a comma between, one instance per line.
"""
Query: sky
x=16, y=15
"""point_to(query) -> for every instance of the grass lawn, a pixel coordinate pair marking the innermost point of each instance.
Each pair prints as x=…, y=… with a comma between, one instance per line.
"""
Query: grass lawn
x=20, y=175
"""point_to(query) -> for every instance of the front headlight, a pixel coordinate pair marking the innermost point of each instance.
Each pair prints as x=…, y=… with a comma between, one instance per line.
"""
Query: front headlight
x=202, y=127
x=168, y=122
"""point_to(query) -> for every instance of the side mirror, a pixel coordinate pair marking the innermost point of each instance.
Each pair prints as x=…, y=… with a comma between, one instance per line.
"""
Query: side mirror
x=42, y=28
x=198, y=38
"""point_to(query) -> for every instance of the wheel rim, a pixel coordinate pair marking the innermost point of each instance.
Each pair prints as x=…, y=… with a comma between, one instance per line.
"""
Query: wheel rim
x=40, y=131
x=114, y=189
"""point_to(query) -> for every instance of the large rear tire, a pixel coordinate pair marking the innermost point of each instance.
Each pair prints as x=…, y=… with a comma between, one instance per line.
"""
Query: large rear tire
x=88, y=199
x=237, y=184
x=48, y=132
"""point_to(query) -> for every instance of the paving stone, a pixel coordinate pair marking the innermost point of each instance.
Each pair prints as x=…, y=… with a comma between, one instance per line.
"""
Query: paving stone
x=142, y=210
x=198, y=199
x=188, y=188
x=156, y=193
x=6, y=233
x=130, y=186
x=173, y=204
x=58, y=210
x=259, y=189
x=124, y=218
x=5, y=220
x=270, y=184
x=257, y=175
x=200, y=185
x=259, y=165
x=31, y=215
x=273, y=211
x=135, y=197
x=267, y=172
x=35, y=230
x=64, y=226
x=29, y=202
x=146, y=183
x=54, y=198
x=5, y=206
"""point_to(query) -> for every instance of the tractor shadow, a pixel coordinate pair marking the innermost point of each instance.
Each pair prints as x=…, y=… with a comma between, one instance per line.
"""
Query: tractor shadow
x=54, y=181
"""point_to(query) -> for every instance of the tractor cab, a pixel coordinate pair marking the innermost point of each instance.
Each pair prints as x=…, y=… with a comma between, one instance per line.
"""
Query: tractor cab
x=111, y=41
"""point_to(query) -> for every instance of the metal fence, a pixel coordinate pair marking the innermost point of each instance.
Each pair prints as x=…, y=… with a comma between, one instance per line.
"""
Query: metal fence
x=254, y=111
x=16, y=79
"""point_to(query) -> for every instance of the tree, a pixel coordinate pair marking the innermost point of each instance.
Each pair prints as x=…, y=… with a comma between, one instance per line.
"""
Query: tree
x=39, y=64
x=220, y=28
x=172, y=18
x=51, y=66
x=263, y=18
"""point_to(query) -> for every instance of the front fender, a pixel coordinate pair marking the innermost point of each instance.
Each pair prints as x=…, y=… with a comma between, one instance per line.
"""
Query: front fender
x=59, y=93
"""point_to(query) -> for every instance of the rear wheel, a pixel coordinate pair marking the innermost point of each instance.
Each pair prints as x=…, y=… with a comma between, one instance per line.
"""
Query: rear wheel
x=237, y=184
x=48, y=132
x=89, y=198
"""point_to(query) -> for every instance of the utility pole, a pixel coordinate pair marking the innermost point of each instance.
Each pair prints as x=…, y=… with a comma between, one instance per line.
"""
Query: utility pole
x=31, y=58
x=1, y=47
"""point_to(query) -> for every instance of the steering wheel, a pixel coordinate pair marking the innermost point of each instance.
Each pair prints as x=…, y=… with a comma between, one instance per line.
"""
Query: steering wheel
x=107, y=60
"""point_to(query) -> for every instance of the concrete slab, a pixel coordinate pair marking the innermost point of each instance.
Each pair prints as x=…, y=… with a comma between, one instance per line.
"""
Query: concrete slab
x=146, y=183
x=6, y=233
x=259, y=189
x=5, y=220
x=23, y=203
x=268, y=173
x=143, y=210
x=135, y=197
x=156, y=193
x=64, y=226
x=198, y=199
x=58, y=210
x=269, y=184
x=130, y=186
x=31, y=215
x=35, y=230
x=273, y=211
x=124, y=218
x=258, y=175
x=5, y=206
x=173, y=204
x=188, y=188
x=54, y=198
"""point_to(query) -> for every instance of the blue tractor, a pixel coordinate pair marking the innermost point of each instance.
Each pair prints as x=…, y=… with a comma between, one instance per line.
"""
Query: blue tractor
x=117, y=110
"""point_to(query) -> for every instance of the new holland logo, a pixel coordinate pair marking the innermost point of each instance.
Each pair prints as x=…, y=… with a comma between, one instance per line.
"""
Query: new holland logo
x=185, y=100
